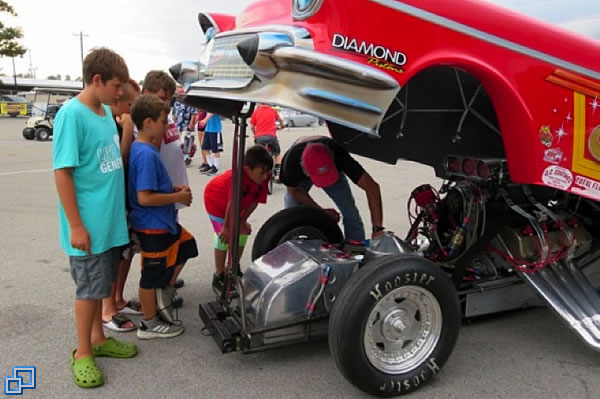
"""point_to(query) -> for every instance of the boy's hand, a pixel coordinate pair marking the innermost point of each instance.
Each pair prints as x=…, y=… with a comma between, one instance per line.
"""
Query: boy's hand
x=245, y=228
x=333, y=214
x=224, y=235
x=125, y=121
x=185, y=197
x=80, y=239
x=181, y=187
x=377, y=234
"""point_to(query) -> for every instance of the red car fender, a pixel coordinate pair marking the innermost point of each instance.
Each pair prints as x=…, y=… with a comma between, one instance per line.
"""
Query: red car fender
x=512, y=111
x=220, y=22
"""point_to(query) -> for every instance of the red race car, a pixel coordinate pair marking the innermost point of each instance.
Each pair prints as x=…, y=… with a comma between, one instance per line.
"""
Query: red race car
x=504, y=107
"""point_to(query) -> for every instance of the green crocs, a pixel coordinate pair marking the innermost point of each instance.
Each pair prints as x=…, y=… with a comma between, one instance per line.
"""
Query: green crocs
x=86, y=373
x=114, y=348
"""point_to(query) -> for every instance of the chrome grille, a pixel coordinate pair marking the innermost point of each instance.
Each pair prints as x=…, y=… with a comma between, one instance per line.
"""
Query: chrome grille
x=225, y=62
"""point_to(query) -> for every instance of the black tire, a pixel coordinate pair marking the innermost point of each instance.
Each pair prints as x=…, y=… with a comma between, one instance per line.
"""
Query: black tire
x=42, y=133
x=291, y=223
x=28, y=134
x=374, y=295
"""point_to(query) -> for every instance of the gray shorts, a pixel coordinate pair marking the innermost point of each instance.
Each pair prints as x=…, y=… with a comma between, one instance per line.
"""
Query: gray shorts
x=94, y=274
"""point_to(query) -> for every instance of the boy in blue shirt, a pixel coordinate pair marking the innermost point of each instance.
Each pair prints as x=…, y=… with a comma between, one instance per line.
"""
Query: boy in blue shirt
x=88, y=172
x=165, y=245
x=212, y=142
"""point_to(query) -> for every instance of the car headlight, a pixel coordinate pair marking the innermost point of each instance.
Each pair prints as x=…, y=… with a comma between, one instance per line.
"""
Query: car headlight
x=303, y=9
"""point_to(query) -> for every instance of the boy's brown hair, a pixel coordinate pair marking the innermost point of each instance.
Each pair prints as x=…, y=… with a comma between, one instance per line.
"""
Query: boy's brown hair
x=106, y=63
x=157, y=80
x=129, y=91
x=258, y=157
x=147, y=106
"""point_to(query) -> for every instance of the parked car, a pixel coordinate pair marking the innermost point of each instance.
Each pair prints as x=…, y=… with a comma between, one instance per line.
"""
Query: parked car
x=297, y=119
x=501, y=105
x=14, y=106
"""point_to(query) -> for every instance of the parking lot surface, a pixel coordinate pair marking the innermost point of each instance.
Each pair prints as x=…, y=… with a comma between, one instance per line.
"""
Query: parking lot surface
x=523, y=354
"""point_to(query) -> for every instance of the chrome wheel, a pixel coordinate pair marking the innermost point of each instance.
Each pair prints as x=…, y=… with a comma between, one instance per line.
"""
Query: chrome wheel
x=403, y=329
x=303, y=233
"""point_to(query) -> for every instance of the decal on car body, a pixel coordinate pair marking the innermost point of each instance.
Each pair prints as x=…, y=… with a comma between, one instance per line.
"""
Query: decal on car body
x=379, y=56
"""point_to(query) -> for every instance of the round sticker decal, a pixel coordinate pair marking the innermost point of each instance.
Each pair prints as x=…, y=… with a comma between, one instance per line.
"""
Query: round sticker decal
x=557, y=177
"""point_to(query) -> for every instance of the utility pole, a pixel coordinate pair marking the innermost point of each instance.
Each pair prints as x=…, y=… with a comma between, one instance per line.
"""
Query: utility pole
x=31, y=68
x=15, y=74
x=81, y=36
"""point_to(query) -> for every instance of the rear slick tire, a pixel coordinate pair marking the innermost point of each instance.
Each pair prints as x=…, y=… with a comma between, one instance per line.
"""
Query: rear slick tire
x=292, y=224
x=394, y=325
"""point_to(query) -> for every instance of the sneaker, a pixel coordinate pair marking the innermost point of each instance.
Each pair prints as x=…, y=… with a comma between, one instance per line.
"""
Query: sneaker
x=164, y=302
x=158, y=328
x=218, y=284
x=213, y=171
x=204, y=168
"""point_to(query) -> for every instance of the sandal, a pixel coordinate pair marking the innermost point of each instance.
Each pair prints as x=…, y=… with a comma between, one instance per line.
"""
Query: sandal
x=114, y=348
x=131, y=307
x=117, y=322
x=86, y=373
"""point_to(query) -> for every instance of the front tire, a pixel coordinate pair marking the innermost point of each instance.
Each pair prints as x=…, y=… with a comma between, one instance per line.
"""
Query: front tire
x=394, y=325
x=292, y=224
x=42, y=133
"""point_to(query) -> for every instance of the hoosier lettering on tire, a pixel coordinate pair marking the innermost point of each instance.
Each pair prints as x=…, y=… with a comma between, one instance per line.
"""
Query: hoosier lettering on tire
x=394, y=325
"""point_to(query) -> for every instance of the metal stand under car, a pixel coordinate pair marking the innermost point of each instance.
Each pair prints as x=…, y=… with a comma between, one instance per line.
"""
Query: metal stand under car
x=269, y=304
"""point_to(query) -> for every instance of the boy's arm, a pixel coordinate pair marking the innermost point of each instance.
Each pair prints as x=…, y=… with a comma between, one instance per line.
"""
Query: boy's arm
x=224, y=235
x=152, y=198
x=80, y=238
x=249, y=211
x=193, y=120
x=206, y=118
x=127, y=124
x=280, y=119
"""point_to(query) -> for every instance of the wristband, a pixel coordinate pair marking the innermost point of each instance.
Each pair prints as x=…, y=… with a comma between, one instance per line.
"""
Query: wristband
x=377, y=229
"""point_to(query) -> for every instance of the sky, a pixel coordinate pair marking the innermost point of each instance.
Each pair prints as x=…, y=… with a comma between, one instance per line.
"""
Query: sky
x=149, y=34
x=155, y=34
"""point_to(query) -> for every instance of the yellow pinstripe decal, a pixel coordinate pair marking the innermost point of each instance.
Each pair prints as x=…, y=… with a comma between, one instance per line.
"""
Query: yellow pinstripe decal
x=581, y=164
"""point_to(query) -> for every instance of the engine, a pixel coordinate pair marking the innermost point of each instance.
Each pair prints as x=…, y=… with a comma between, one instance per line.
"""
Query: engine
x=504, y=226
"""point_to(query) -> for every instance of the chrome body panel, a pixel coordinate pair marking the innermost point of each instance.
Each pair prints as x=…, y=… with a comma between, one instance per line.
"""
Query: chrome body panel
x=572, y=296
x=279, y=67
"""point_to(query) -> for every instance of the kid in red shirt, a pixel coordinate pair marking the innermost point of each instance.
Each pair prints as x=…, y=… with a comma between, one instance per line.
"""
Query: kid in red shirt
x=217, y=201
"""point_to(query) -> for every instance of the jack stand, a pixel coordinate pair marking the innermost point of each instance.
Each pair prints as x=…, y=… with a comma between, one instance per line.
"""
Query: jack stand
x=213, y=314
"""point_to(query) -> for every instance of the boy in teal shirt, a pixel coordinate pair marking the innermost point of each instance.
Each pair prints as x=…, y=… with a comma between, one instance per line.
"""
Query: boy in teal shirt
x=88, y=172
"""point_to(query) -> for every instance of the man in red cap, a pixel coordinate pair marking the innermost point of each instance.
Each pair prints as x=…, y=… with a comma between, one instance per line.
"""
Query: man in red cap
x=320, y=161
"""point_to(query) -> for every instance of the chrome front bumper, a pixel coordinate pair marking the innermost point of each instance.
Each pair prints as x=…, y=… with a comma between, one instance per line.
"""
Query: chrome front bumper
x=279, y=66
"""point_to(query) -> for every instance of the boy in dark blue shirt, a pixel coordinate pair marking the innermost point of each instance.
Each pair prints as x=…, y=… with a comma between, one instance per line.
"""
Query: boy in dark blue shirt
x=165, y=245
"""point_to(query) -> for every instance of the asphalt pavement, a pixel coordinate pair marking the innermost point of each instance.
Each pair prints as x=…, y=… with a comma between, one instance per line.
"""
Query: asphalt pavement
x=523, y=354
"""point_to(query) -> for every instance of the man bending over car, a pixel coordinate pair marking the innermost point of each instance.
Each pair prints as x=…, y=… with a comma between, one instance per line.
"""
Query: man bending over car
x=321, y=161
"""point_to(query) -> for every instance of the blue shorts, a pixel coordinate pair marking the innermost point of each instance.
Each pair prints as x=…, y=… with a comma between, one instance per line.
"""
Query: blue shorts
x=212, y=142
